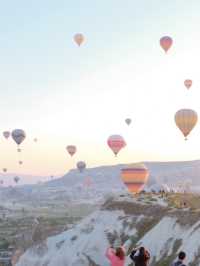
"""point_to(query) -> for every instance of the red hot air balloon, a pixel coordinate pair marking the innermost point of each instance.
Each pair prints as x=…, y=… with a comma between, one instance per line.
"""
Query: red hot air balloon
x=135, y=176
x=166, y=42
x=71, y=149
x=188, y=83
x=116, y=143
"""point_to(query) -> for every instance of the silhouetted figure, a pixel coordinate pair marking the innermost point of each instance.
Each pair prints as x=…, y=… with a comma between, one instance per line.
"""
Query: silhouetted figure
x=140, y=256
x=180, y=260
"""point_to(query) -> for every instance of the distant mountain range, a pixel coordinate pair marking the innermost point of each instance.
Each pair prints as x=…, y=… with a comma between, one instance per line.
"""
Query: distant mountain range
x=96, y=182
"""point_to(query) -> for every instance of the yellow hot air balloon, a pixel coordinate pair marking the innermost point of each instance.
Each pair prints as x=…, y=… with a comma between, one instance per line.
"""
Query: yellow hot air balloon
x=186, y=120
x=135, y=176
x=79, y=38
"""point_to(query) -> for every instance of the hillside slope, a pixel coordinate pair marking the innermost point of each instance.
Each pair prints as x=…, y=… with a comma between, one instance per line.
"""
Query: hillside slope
x=163, y=230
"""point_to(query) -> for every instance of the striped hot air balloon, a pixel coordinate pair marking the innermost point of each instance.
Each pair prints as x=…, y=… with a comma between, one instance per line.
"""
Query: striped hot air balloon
x=116, y=143
x=186, y=120
x=135, y=176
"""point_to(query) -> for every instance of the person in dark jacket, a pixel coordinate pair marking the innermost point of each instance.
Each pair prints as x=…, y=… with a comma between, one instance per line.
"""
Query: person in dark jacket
x=140, y=256
x=181, y=259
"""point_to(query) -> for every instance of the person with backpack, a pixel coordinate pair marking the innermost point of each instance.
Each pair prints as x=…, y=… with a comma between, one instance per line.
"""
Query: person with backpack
x=140, y=256
x=116, y=256
x=181, y=259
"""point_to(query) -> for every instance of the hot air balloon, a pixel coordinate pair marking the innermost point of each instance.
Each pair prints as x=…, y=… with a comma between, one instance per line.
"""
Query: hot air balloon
x=6, y=134
x=188, y=83
x=79, y=38
x=19, y=150
x=186, y=120
x=71, y=149
x=4, y=170
x=128, y=121
x=135, y=176
x=166, y=42
x=81, y=166
x=18, y=136
x=116, y=143
x=20, y=162
x=16, y=179
x=35, y=139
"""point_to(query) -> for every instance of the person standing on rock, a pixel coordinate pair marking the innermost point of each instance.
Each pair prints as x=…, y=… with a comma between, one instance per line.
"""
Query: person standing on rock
x=140, y=256
x=116, y=256
x=181, y=259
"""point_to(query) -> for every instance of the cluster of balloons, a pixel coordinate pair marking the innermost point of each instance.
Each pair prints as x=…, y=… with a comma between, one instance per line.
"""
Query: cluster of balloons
x=185, y=119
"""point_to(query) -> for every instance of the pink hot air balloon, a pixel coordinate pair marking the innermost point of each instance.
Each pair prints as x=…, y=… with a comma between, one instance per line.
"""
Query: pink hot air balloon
x=79, y=38
x=188, y=83
x=6, y=134
x=116, y=143
x=71, y=149
x=166, y=42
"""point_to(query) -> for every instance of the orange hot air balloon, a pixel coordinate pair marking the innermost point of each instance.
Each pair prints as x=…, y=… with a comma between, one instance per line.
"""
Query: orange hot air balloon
x=166, y=42
x=79, y=38
x=188, y=83
x=116, y=143
x=186, y=120
x=135, y=176
x=71, y=149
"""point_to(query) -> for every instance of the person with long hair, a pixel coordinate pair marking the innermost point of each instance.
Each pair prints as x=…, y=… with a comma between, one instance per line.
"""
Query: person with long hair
x=140, y=256
x=116, y=256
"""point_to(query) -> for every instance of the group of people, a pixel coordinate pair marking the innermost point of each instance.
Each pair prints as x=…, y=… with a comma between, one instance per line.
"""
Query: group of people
x=139, y=257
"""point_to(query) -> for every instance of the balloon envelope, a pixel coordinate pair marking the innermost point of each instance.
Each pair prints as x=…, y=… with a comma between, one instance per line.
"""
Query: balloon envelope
x=81, y=166
x=18, y=136
x=188, y=83
x=71, y=149
x=166, y=42
x=16, y=179
x=135, y=176
x=186, y=120
x=6, y=134
x=79, y=38
x=128, y=121
x=116, y=143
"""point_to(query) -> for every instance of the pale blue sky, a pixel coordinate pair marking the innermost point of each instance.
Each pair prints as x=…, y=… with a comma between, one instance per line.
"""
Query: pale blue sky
x=65, y=94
